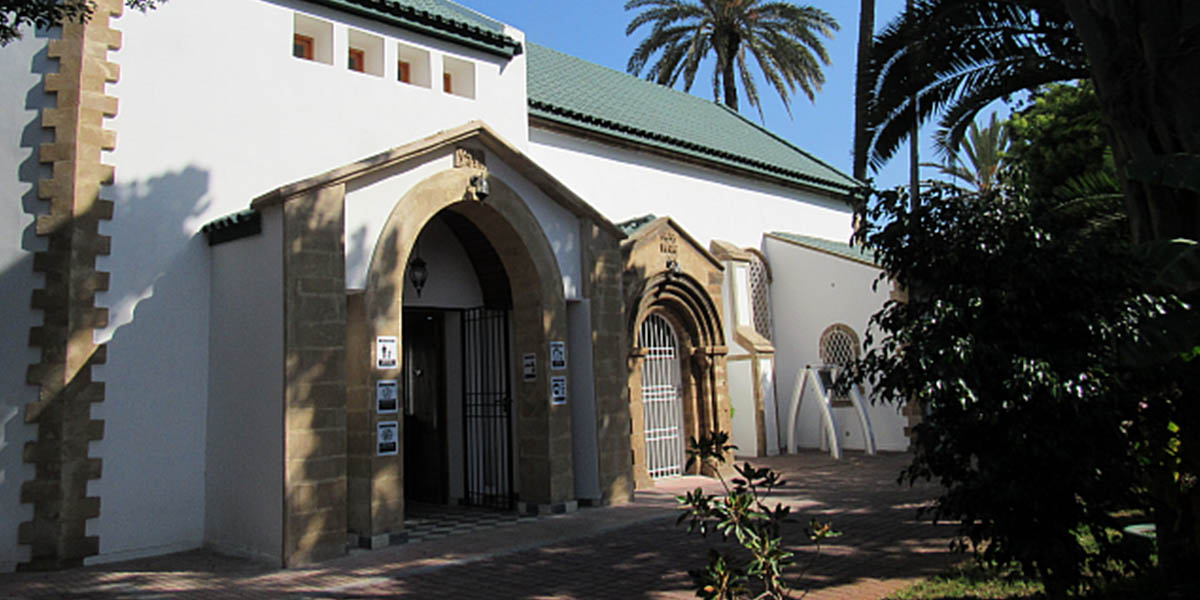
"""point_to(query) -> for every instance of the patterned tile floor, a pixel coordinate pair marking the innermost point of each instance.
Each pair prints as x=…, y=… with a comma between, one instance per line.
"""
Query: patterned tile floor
x=425, y=522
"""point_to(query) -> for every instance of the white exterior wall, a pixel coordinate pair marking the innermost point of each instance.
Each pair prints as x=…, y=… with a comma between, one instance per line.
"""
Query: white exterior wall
x=708, y=204
x=452, y=282
x=20, y=135
x=811, y=291
x=581, y=396
x=243, y=479
x=214, y=110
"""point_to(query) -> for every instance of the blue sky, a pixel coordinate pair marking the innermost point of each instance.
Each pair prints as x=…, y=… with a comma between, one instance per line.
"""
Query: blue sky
x=595, y=30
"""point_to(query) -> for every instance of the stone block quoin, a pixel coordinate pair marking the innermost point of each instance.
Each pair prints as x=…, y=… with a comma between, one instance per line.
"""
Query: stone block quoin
x=57, y=533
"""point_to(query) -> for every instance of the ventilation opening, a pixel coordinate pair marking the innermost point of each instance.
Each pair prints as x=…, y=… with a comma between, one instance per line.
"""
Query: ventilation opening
x=413, y=66
x=365, y=54
x=458, y=77
x=312, y=39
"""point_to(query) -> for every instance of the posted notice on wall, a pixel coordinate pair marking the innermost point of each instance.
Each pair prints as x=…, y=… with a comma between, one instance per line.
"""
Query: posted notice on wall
x=387, y=396
x=388, y=438
x=529, y=366
x=558, y=389
x=386, y=348
x=558, y=356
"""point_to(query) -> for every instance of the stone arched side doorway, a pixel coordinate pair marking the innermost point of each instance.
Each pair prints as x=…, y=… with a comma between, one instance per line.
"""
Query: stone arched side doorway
x=543, y=461
x=674, y=323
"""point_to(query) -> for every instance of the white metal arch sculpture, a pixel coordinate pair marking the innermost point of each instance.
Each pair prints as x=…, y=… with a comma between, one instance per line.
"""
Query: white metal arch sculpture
x=838, y=347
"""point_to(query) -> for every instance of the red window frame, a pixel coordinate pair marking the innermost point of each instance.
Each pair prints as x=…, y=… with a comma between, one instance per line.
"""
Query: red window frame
x=302, y=46
x=358, y=60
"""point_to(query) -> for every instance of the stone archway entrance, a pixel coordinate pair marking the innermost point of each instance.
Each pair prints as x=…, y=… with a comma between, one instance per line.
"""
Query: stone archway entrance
x=343, y=331
x=677, y=364
x=542, y=465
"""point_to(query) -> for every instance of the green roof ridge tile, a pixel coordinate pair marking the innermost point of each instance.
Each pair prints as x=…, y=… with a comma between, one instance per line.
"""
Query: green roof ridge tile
x=843, y=249
x=437, y=18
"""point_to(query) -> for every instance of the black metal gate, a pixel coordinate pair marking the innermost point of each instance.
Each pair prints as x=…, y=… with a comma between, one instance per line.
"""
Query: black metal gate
x=487, y=408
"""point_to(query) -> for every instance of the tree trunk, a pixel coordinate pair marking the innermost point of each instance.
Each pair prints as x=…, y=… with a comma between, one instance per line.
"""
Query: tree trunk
x=729, y=71
x=1145, y=63
x=862, y=87
x=1146, y=67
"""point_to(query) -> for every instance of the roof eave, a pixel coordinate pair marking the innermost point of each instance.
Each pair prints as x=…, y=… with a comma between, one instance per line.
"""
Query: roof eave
x=825, y=251
x=550, y=120
x=463, y=34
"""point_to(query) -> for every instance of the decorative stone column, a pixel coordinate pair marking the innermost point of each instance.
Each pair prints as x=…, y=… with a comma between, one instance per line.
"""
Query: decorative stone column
x=57, y=533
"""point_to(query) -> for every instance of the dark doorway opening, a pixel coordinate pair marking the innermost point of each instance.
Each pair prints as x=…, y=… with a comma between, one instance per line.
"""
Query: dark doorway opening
x=425, y=431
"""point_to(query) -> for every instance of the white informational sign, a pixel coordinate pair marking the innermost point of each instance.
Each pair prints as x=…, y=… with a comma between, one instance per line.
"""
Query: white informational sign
x=388, y=438
x=558, y=389
x=387, y=396
x=386, y=348
x=558, y=356
x=529, y=366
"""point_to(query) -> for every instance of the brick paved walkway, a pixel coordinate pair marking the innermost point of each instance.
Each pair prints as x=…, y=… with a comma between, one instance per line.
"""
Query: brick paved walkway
x=631, y=551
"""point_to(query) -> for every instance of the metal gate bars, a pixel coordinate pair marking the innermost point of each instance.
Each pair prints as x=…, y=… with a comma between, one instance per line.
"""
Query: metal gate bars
x=661, y=404
x=487, y=409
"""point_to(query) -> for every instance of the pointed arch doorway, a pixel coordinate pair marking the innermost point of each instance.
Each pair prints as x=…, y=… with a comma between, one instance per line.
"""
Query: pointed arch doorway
x=677, y=363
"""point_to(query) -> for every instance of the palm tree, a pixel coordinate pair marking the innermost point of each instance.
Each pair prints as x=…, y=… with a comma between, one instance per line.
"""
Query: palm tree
x=978, y=158
x=985, y=50
x=1141, y=56
x=784, y=39
x=862, y=86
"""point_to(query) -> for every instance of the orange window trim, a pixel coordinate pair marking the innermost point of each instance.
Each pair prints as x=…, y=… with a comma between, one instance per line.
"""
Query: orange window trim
x=446, y=83
x=405, y=71
x=302, y=46
x=357, y=60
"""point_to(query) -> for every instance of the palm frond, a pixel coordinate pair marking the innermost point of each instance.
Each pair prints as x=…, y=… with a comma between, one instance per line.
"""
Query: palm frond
x=785, y=40
x=956, y=57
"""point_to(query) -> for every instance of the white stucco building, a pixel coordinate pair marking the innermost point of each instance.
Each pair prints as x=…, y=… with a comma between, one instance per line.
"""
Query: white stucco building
x=261, y=259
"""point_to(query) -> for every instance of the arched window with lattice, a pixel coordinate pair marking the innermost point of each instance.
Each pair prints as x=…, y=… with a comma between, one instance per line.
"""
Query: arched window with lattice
x=838, y=348
x=760, y=294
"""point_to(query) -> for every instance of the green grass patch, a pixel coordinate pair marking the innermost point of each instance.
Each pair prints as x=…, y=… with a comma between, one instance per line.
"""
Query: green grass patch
x=971, y=580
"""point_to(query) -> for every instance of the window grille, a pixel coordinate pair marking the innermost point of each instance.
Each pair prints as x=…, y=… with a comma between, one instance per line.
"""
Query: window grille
x=838, y=348
x=760, y=295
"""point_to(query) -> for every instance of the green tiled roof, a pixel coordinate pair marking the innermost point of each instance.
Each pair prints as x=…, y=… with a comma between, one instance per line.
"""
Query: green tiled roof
x=441, y=19
x=842, y=249
x=631, y=226
x=572, y=91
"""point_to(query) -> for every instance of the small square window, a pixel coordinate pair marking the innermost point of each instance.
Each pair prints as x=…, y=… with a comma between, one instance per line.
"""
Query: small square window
x=358, y=60
x=312, y=39
x=365, y=54
x=302, y=46
x=412, y=66
x=458, y=77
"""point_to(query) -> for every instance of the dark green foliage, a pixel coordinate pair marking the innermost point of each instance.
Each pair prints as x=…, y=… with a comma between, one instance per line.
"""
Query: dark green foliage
x=15, y=14
x=741, y=514
x=1058, y=137
x=1015, y=343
